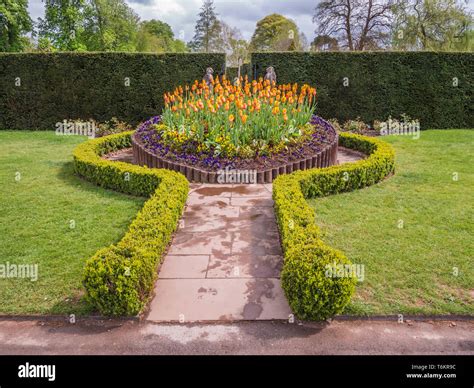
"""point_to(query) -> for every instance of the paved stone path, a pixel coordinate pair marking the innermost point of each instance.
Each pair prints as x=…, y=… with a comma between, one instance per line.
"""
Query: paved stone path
x=345, y=155
x=224, y=262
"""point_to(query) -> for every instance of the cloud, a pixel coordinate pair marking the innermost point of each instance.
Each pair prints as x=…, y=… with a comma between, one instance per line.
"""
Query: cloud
x=244, y=14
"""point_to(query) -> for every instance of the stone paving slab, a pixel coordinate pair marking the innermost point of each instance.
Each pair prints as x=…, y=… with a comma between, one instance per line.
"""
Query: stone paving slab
x=184, y=266
x=251, y=201
x=244, y=266
x=201, y=243
x=192, y=300
x=225, y=260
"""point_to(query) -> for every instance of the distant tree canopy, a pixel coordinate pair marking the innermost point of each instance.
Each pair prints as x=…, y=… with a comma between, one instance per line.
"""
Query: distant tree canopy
x=63, y=25
x=102, y=25
x=236, y=47
x=14, y=23
x=276, y=33
x=324, y=43
x=157, y=36
x=356, y=25
x=88, y=25
x=432, y=25
x=394, y=24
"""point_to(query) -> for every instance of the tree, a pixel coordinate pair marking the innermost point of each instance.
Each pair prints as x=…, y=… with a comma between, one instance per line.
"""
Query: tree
x=432, y=25
x=304, y=44
x=157, y=36
x=110, y=25
x=63, y=24
x=93, y=25
x=358, y=25
x=14, y=23
x=275, y=33
x=208, y=31
x=234, y=44
x=324, y=43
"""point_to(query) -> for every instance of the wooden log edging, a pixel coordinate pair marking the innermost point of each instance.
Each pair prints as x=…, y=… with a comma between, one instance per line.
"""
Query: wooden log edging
x=325, y=158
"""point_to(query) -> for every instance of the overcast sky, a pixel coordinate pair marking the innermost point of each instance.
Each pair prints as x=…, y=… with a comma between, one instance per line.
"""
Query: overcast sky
x=181, y=15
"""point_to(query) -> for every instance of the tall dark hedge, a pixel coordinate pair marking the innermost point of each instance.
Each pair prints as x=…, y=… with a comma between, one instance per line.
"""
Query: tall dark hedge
x=419, y=84
x=86, y=86
x=245, y=70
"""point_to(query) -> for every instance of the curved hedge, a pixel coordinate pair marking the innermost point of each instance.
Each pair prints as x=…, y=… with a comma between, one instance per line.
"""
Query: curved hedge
x=310, y=293
x=119, y=279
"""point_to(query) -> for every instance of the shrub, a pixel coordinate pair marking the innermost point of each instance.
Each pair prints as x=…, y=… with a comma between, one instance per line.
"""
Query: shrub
x=119, y=279
x=310, y=293
x=112, y=127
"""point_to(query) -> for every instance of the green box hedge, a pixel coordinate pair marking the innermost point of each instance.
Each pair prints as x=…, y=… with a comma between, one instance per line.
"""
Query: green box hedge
x=55, y=87
x=419, y=84
x=311, y=294
x=119, y=279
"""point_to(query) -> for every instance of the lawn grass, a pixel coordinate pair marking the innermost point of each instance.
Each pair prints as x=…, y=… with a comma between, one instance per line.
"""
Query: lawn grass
x=411, y=270
x=408, y=270
x=36, y=222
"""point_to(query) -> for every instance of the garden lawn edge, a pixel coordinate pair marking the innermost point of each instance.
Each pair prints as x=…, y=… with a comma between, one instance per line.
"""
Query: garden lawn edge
x=119, y=279
x=310, y=270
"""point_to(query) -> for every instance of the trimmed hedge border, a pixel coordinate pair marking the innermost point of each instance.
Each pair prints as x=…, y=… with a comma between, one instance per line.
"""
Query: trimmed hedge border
x=434, y=87
x=325, y=158
x=119, y=279
x=311, y=294
x=77, y=85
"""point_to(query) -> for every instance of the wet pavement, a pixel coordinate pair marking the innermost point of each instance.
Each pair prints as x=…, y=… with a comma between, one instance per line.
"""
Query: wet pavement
x=224, y=262
x=34, y=336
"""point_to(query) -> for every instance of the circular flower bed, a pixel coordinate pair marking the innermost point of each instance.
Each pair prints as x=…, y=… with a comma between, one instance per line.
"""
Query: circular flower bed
x=250, y=126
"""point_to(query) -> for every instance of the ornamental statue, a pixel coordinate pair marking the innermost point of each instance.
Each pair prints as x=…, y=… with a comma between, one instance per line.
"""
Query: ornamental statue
x=209, y=79
x=271, y=75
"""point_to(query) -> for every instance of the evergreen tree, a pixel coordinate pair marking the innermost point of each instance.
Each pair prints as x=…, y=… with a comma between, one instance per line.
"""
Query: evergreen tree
x=208, y=30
